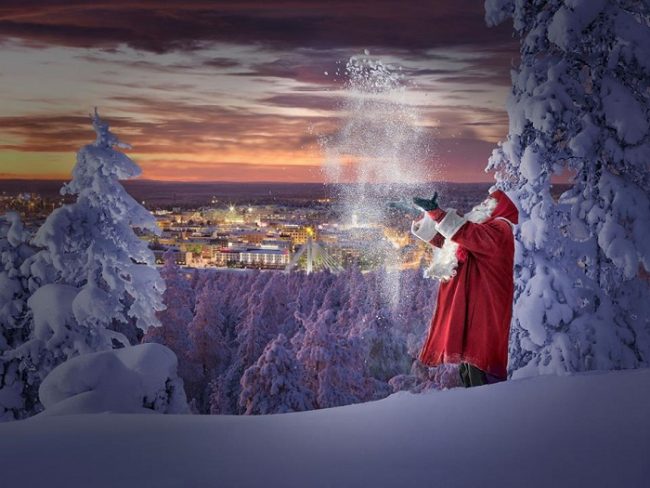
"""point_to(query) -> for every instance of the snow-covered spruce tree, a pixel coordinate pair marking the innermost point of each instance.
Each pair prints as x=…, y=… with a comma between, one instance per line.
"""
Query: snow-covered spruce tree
x=580, y=100
x=415, y=315
x=14, y=250
x=276, y=382
x=257, y=327
x=93, y=274
x=310, y=299
x=377, y=326
x=14, y=323
x=208, y=355
x=179, y=301
x=385, y=349
x=334, y=363
x=92, y=243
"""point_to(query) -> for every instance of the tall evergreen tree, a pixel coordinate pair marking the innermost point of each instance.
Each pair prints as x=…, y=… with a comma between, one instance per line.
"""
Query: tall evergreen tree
x=92, y=245
x=208, y=355
x=175, y=320
x=334, y=363
x=14, y=250
x=14, y=322
x=276, y=382
x=580, y=101
x=92, y=274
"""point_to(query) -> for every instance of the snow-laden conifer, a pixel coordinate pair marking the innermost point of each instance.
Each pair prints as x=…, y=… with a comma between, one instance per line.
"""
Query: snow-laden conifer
x=175, y=331
x=93, y=275
x=14, y=317
x=580, y=102
x=334, y=363
x=92, y=244
x=276, y=382
x=209, y=355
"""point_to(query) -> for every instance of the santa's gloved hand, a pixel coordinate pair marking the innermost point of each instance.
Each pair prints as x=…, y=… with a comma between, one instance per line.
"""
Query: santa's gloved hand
x=404, y=207
x=427, y=205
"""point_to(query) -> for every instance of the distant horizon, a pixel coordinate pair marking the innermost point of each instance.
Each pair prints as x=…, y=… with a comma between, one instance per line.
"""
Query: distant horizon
x=258, y=182
x=178, y=193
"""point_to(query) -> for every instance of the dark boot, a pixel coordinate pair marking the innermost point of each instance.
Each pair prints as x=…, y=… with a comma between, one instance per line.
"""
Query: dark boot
x=470, y=375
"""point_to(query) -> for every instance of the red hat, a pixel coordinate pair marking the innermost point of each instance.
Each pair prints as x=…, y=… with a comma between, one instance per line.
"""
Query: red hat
x=505, y=208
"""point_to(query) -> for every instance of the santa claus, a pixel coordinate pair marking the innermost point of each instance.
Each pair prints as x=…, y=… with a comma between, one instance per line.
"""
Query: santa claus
x=473, y=259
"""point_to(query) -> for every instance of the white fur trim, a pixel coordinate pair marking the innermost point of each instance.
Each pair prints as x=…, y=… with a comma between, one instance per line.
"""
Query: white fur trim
x=444, y=263
x=512, y=226
x=425, y=228
x=450, y=224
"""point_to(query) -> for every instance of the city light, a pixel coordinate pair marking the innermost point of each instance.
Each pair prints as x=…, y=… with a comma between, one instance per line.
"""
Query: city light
x=228, y=237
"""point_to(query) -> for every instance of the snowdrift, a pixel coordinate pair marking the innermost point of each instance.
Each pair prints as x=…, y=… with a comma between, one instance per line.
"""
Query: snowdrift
x=572, y=431
x=135, y=379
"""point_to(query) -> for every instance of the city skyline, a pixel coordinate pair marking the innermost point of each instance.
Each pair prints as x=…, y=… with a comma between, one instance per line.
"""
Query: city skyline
x=240, y=91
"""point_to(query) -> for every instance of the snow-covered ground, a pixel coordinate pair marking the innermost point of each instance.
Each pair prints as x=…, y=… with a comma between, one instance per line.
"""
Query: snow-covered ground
x=590, y=430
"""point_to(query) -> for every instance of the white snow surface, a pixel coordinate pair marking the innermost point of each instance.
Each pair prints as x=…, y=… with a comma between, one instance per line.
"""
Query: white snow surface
x=52, y=309
x=136, y=379
x=587, y=430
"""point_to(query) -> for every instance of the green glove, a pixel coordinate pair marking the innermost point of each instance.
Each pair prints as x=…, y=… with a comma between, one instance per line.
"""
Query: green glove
x=425, y=204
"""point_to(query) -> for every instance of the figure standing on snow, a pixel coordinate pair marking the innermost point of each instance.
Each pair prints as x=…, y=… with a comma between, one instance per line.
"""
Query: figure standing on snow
x=473, y=259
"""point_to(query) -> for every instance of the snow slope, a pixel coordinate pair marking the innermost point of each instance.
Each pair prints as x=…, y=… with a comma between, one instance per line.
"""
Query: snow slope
x=589, y=430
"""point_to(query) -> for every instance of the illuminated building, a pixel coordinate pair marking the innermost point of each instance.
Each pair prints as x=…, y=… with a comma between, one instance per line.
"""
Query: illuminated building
x=297, y=233
x=265, y=258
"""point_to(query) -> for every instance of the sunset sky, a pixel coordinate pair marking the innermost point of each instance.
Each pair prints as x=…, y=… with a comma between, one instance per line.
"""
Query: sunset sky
x=240, y=90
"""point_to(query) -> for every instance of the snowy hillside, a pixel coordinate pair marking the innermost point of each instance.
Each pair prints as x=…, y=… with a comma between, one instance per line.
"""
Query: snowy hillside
x=588, y=430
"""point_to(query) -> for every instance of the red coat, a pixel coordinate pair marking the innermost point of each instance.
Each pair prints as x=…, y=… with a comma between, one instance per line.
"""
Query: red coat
x=471, y=322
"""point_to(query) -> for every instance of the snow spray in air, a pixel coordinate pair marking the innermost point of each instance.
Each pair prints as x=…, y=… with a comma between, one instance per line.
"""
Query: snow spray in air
x=377, y=155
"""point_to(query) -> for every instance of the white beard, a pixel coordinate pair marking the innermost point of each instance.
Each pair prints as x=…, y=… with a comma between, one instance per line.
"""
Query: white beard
x=444, y=261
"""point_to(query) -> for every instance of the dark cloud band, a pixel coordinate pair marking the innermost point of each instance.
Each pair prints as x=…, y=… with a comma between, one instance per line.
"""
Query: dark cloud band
x=175, y=24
